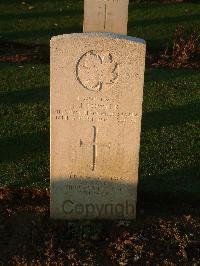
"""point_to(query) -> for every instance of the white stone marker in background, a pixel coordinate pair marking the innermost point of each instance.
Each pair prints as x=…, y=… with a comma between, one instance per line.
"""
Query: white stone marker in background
x=106, y=16
x=96, y=108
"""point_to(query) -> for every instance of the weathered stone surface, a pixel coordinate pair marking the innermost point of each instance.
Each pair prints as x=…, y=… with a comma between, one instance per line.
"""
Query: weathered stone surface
x=96, y=108
x=106, y=16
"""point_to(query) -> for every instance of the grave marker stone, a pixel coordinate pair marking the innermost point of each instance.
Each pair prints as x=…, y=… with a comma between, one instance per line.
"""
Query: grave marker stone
x=96, y=108
x=106, y=16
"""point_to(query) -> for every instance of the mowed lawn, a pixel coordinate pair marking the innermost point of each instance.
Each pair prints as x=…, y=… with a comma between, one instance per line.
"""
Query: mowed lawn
x=35, y=21
x=169, y=167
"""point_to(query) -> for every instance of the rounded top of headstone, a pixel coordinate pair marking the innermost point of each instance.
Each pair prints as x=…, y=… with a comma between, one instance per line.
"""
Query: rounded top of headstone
x=99, y=35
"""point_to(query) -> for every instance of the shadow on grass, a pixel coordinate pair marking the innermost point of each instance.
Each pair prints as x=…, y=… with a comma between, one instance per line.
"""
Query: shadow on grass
x=173, y=116
x=19, y=147
x=172, y=188
x=169, y=75
x=26, y=96
x=165, y=20
x=157, y=191
x=33, y=2
x=39, y=15
x=40, y=33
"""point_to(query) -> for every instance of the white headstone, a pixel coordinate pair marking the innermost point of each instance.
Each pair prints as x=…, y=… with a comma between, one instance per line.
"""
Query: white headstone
x=106, y=16
x=96, y=108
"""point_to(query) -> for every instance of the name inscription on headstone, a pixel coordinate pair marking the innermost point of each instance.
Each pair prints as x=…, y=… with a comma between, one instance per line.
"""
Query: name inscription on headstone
x=94, y=110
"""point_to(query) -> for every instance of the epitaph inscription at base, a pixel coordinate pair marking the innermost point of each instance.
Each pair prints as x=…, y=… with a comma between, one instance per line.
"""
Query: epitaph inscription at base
x=96, y=108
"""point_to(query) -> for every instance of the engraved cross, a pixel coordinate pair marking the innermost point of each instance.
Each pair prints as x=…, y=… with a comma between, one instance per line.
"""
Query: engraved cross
x=94, y=144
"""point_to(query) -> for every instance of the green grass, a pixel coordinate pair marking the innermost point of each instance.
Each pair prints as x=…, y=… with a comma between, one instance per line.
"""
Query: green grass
x=170, y=129
x=169, y=143
x=24, y=129
x=37, y=21
x=156, y=23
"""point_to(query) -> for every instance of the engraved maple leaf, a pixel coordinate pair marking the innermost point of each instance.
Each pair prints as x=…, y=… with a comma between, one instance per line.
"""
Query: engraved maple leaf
x=97, y=69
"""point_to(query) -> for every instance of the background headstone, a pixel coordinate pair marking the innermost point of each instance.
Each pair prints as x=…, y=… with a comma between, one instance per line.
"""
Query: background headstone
x=106, y=16
x=96, y=108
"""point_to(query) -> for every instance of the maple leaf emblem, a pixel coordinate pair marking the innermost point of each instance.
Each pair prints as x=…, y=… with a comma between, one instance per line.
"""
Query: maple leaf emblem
x=95, y=70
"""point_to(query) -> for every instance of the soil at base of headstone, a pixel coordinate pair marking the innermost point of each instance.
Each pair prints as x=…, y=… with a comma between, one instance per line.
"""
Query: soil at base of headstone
x=18, y=53
x=30, y=237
